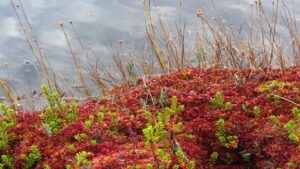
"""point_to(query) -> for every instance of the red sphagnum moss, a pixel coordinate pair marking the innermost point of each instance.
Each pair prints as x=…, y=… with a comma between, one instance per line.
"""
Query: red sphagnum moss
x=118, y=142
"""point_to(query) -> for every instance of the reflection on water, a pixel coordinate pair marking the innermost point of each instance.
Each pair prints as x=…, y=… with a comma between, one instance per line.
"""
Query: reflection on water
x=97, y=22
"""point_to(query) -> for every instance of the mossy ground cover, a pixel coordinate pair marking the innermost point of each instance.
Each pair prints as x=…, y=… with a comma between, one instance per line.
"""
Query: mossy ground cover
x=225, y=119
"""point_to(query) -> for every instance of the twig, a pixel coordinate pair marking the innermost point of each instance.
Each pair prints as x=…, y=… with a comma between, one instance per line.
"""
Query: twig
x=286, y=100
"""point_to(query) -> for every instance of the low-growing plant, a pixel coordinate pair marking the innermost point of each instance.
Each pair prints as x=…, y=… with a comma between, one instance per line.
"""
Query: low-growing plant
x=68, y=166
x=81, y=159
x=276, y=99
x=88, y=123
x=275, y=120
x=94, y=142
x=56, y=113
x=293, y=126
x=114, y=127
x=164, y=157
x=72, y=147
x=213, y=158
x=227, y=158
x=5, y=138
x=100, y=117
x=246, y=157
x=149, y=166
x=7, y=120
x=218, y=102
x=72, y=115
x=176, y=166
x=292, y=165
x=183, y=161
x=51, y=122
x=7, y=162
x=33, y=158
x=80, y=136
x=47, y=166
x=245, y=107
x=187, y=136
x=54, y=101
x=161, y=130
x=272, y=85
x=8, y=116
x=134, y=167
x=230, y=141
x=256, y=111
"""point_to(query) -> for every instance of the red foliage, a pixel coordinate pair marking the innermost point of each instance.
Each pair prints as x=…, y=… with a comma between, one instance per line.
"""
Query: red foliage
x=268, y=147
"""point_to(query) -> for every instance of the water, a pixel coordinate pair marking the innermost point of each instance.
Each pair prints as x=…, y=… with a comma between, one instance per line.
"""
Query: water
x=97, y=22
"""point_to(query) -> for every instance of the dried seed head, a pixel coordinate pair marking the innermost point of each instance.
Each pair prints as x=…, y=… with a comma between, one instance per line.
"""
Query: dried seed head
x=199, y=13
x=61, y=24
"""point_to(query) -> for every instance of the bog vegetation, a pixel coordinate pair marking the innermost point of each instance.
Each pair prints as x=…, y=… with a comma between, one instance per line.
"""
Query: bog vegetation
x=230, y=101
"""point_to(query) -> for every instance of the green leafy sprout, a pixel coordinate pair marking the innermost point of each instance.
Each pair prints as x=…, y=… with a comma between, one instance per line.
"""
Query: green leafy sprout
x=230, y=141
x=7, y=120
x=218, y=102
x=160, y=129
x=33, y=158
x=213, y=158
x=81, y=159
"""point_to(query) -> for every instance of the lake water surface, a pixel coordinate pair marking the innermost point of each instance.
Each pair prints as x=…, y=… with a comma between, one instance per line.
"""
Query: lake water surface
x=97, y=22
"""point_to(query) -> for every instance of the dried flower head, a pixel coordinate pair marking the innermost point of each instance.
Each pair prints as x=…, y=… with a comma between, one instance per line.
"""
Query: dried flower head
x=199, y=13
x=61, y=23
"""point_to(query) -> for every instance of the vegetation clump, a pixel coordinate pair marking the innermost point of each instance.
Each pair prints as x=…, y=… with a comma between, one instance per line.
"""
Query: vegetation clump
x=187, y=127
x=7, y=120
x=226, y=141
x=57, y=113
x=218, y=102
